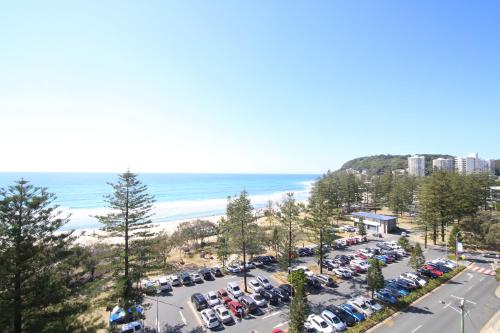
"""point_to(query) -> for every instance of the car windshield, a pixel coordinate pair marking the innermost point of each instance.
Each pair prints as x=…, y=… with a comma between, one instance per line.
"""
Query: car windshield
x=164, y=283
x=335, y=320
x=323, y=324
x=236, y=288
x=213, y=296
x=264, y=280
x=213, y=320
x=258, y=297
x=224, y=313
x=128, y=330
x=363, y=306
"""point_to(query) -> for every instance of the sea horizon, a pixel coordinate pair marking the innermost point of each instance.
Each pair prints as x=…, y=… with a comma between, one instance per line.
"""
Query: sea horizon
x=179, y=196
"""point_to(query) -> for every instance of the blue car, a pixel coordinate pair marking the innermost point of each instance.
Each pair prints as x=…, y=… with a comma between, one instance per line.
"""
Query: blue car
x=382, y=258
x=385, y=296
x=352, y=311
x=397, y=289
x=118, y=315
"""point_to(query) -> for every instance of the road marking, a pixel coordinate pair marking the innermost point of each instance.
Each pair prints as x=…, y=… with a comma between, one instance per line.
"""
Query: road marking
x=416, y=329
x=272, y=314
x=468, y=289
x=281, y=324
x=481, y=270
x=449, y=306
x=481, y=280
x=464, y=299
x=182, y=317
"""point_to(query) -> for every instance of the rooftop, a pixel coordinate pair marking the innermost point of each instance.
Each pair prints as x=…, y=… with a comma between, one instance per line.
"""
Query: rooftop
x=373, y=216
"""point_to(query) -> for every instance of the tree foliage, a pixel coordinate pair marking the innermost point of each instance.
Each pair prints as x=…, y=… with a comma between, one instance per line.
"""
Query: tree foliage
x=417, y=258
x=374, y=277
x=299, y=307
x=40, y=289
x=129, y=220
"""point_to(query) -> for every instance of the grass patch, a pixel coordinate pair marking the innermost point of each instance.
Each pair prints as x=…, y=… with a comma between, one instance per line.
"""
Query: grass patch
x=403, y=302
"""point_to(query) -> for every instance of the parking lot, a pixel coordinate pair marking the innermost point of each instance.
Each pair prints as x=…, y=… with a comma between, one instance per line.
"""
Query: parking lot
x=177, y=314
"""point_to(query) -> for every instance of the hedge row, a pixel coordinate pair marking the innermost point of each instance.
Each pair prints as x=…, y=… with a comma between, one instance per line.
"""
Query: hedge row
x=403, y=302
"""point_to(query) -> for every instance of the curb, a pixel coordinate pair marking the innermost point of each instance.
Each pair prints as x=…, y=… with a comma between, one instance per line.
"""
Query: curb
x=415, y=302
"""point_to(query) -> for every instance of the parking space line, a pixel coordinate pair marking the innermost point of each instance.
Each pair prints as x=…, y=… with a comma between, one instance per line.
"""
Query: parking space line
x=418, y=327
x=281, y=324
x=196, y=314
x=182, y=317
x=272, y=314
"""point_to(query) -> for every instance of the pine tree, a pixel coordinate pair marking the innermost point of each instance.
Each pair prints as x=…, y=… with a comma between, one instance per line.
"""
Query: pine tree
x=299, y=307
x=375, y=278
x=361, y=227
x=417, y=258
x=130, y=220
x=39, y=291
x=241, y=222
x=288, y=215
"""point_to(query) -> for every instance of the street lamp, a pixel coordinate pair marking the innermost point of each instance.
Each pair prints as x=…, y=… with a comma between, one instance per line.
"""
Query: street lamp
x=456, y=247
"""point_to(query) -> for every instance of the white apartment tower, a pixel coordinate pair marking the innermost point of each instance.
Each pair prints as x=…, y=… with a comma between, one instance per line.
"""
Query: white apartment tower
x=416, y=165
x=472, y=163
x=444, y=164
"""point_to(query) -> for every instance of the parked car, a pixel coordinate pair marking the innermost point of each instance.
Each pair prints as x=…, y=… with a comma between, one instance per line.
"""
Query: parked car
x=360, y=305
x=175, y=281
x=446, y=262
x=199, y=301
x=270, y=296
x=216, y=271
x=342, y=314
x=132, y=327
x=407, y=283
x=233, y=268
x=248, y=303
x=259, y=300
x=236, y=308
x=223, y=314
x=439, y=267
x=282, y=295
x=333, y=320
x=186, y=279
x=326, y=280
x=234, y=289
x=385, y=296
x=206, y=274
x=375, y=306
x=397, y=289
x=353, y=312
x=163, y=285
x=313, y=282
x=429, y=272
x=319, y=324
x=149, y=286
x=342, y=272
x=209, y=319
x=212, y=299
x=223, y=296
x=196, y=277
x=254, y=285
x=287, y=288
x=492, y=255
x=414, y=277
x=256, y=262
x=264, y=282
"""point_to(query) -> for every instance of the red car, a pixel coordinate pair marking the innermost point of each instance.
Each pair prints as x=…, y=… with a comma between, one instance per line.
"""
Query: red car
x=223, y=296
x=361, y=255
x=236, y=308
x=433, y=270
x=278, y=330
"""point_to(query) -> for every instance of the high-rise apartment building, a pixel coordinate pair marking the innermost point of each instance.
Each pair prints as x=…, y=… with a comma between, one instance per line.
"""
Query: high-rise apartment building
x=444, y=164
x=472, y=163
x=416, y=165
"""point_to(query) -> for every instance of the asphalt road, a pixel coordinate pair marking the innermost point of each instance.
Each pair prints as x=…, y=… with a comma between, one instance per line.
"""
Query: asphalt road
x=439, y=311
x=176, y=313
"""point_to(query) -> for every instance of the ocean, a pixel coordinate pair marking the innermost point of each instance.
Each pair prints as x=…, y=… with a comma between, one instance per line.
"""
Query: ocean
x=178, y=196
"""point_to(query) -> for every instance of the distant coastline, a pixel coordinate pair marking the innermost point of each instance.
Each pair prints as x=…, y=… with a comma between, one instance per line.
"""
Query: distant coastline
x=179, y=197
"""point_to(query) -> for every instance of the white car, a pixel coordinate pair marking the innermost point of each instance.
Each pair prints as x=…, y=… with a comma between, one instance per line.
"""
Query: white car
x=366, y=253
x=414, y=277
x=234, y=289
x=319, y=324
x=255, y=286
x=223, y=314
x=163, y=284
x=360, y=305
x=264, y=282
x=342, y=272
x=235, y=269
x=259, y=300
x=446, y=262
x=212, y=299
x=333, y=320
x=209, y=318
x=375, y=306
x=306, y=270
x=363, y=264
x=196, y=277
x=174, y=280
x=148, y=285
x=133, y=327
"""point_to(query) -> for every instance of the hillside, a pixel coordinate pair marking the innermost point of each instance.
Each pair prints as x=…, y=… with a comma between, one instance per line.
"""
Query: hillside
x=380, y=163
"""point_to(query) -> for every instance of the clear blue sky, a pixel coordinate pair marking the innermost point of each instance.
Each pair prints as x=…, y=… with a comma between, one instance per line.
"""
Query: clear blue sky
x=256, y=86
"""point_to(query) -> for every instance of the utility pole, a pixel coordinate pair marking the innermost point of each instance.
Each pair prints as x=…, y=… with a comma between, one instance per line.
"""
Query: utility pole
x=462, y=326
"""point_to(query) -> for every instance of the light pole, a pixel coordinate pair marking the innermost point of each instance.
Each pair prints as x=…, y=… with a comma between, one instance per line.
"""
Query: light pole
x=456, y=247
x=446, y=243
x=157, y=310
x=462, y=326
